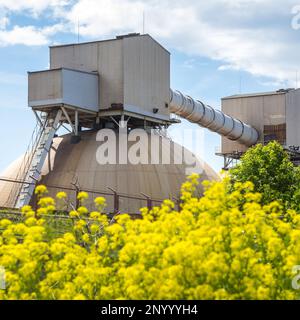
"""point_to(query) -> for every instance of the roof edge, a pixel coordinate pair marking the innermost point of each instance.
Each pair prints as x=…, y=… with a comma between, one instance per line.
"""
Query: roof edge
x=117, y=38
x=260, y=94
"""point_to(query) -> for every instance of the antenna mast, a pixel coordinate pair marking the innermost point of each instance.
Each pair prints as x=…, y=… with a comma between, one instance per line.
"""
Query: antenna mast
x=78, y=26
x=143, y=22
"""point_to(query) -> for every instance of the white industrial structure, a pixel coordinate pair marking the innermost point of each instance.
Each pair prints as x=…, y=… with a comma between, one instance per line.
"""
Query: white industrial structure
x=95, y=85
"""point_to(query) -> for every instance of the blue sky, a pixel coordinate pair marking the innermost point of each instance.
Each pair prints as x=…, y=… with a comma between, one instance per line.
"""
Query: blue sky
x=218, y=48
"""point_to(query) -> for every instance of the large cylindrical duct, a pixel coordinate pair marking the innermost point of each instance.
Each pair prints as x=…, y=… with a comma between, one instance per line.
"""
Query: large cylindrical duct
x=215, y=120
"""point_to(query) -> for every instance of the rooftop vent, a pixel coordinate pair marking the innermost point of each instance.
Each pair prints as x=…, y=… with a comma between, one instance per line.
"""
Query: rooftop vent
x=129, y=35
x=285, y=90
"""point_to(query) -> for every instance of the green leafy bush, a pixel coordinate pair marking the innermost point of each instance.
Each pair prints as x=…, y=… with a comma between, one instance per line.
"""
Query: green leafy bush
x=272, y=173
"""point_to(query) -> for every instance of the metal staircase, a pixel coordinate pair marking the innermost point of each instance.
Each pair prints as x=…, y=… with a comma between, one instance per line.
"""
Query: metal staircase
x=24, y=165
x=34, y=161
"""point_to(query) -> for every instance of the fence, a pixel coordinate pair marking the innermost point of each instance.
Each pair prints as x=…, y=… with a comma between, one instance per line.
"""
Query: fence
x=116, y=202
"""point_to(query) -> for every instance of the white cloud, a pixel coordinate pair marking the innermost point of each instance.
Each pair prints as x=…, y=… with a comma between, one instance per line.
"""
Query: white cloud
x=52, y=30
x=275, y=83
x=33, y=6
x=28, y=35
x=99, y=18
x=189, y=63
x=4, y=21
x=254, y=36
x=226, y=67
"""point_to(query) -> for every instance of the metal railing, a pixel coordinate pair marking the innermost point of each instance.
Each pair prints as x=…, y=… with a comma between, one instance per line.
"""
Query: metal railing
x=116, y=202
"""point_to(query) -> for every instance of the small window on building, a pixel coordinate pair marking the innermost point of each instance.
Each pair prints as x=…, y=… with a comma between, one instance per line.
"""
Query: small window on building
x=275, y=132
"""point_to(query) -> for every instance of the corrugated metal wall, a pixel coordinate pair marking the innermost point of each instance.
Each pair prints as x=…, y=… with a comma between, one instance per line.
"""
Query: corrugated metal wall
x=146, y=74
x=45, y=84
x=104, y=57
x=258, y=111
x=134, y=71
x=293, y=118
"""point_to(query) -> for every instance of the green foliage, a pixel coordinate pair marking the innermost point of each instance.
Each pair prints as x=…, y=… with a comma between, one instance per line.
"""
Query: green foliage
x=272, y=173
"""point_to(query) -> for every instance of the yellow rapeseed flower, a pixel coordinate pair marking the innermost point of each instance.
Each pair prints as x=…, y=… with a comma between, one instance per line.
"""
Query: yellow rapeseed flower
x=61, y=195
x=41, y=190
x=82, y=195
x=224, y=245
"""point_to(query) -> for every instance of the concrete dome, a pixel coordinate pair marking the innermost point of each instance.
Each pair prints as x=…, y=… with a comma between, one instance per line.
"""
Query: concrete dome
x=67, y=163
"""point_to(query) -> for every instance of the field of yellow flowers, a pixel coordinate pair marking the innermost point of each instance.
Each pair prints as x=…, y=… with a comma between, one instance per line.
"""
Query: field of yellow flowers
x=224, y=245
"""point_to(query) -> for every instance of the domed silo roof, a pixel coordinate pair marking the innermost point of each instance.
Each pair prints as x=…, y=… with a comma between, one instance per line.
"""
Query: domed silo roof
x=69, y=163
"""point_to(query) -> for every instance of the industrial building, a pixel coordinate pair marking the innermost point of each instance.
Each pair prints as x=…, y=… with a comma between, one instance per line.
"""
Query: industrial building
x=91, y=86
x=275, y=115
x=97, y=85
